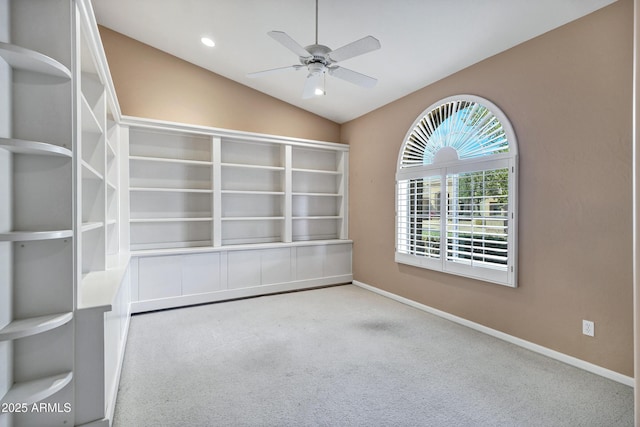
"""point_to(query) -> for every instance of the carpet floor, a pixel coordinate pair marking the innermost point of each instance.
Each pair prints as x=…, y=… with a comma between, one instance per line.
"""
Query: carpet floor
x=344, y=356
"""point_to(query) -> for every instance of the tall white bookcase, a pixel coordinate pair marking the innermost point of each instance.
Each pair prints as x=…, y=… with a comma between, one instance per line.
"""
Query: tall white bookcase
x=37, y=245
x=59, y=218
x=103, y=291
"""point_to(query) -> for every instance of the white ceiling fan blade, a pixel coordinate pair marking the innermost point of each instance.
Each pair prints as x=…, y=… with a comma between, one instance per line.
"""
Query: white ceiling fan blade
x=358, y=47
x=310, y=85
x=273, y=71
x=353, y=77
x=286, y=41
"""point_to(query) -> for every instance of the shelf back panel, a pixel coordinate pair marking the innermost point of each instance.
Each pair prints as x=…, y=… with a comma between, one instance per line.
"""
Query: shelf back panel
x=145, y=205
x=169, y=145
x=169, y=175
x=251, y=153
x=42, y=193
x=257, y=205
x=240, y=179
x=41, y=112
x=170, y=234
x=251, y=231
x=48, y=288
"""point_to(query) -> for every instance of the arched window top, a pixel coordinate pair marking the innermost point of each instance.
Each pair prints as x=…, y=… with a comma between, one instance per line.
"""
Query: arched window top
x=456, y=128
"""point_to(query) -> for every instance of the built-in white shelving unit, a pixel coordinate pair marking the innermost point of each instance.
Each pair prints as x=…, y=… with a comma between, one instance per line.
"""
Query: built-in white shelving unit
x=202, y=189
x=319, y=194
x=170, y=189
x=103, y=297
x=37, y=233
x=252, y=187
x=217, y=214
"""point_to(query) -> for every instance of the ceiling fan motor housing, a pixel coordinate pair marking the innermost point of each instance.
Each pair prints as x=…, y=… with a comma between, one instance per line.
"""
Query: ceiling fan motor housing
x=316, y=68
x=319, y=55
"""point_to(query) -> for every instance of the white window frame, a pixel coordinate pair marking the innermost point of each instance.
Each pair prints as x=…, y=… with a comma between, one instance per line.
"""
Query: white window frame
x=444, y=166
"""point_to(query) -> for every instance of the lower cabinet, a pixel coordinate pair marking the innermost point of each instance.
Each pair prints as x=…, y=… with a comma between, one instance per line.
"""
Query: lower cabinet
x=102, y=324
x=164, y=281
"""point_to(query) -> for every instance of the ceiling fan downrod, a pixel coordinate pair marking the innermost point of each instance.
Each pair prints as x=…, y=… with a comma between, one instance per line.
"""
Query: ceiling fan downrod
x=316, y=21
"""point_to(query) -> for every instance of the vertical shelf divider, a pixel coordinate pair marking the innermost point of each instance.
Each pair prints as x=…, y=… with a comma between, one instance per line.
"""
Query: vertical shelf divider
x=216, y=185
x=343, y=190
x=287, y=232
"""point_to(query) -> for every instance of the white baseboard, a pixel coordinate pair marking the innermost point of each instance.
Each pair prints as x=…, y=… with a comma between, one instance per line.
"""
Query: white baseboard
x=229, y=294
x=570, y=360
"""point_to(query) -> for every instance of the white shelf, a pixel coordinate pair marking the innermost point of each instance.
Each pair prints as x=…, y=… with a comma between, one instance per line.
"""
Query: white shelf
x=26, y=59
x=318, y=171
x=99, y=288
x=25, y=236
x=254, y=192
x=88, y=226
x=93, y=174
x=167, y=247
x=317, y=217
x=239, y=247
x=32, y=326
x=170, y=190
x=252, y=218
x=111, y=152
x=165, y=160
x=248, y=166
x=20, y=146
x=150, y=220
x=30, y=392
x=90, y=122
x=317, y=194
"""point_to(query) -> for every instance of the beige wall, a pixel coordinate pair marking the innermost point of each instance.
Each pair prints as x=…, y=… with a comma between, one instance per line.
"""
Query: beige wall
x=153, y=84
x=568, y=96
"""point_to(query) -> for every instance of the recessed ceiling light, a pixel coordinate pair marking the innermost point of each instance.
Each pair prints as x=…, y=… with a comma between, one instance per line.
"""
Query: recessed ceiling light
x=207, y=41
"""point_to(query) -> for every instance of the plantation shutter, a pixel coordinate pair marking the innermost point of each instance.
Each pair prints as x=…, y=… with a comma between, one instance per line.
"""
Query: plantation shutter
x=478, y=218
x=419, y=216
x=456, y=186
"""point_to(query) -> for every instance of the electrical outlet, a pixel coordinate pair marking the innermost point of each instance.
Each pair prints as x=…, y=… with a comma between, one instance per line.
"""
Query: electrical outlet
x=588, y=328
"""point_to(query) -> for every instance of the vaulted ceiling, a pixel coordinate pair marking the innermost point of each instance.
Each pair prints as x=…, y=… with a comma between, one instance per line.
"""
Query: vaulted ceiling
x=422, y=40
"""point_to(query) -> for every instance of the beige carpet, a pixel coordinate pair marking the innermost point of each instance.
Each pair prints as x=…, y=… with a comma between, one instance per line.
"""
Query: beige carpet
x=344, y=356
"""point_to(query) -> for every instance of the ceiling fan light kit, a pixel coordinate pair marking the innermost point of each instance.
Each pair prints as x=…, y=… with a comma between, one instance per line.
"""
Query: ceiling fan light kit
x=320, y=60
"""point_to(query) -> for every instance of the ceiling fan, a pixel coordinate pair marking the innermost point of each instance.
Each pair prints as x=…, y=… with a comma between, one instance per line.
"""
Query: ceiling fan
x=320, y=60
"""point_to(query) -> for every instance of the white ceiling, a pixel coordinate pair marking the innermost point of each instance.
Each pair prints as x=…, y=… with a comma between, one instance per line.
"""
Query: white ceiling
x=422, y=40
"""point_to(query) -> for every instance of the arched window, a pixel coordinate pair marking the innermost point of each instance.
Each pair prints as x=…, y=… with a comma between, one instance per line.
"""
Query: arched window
x=456, y=191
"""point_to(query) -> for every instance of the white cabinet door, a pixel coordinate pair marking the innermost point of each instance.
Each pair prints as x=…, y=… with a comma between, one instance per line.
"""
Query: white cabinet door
x=309, y=260
x=160, y=277
x=276, y=266
x=338, y=260
x=243, y=269
x=201, y=273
